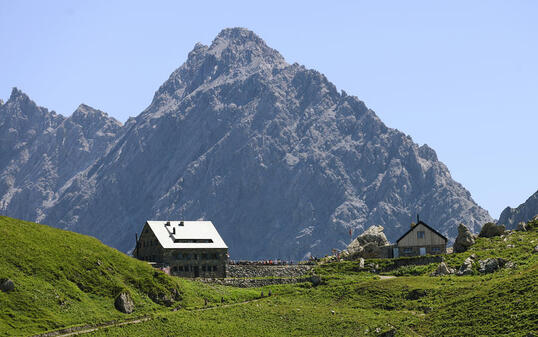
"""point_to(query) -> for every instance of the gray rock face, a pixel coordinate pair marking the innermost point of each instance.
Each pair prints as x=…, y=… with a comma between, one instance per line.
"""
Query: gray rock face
x=271, y=152
x=490, y=230
x=124, y=303
x=510, y=217
x=41, y=151
x=464, y=240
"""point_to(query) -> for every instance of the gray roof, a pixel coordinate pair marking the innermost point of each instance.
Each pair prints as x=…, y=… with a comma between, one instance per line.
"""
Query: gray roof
x=186, y=234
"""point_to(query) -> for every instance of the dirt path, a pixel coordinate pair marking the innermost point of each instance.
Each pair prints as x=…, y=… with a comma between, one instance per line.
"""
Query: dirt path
x=386, y=277
x=80, y=330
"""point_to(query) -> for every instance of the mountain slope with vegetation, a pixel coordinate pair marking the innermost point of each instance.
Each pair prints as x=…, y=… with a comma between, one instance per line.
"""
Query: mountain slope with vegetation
x=350, y=301
x=64, y=279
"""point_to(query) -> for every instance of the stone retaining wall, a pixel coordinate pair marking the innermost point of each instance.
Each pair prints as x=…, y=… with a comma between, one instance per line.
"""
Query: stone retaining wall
x=413, y=261
x=277, y=271
x=255, y=283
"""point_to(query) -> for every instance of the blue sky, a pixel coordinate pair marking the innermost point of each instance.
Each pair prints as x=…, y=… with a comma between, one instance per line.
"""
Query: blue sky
x=459, y=76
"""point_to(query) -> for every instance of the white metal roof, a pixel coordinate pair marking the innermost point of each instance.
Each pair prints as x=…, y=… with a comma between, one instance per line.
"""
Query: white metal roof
x=186, y=230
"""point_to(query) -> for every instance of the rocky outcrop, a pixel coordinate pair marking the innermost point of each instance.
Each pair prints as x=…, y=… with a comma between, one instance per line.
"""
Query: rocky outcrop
x=491, y=265
x=370, y=244
x=491, y=229
x=281, y=161
x=464, y=240
x=442, y=270
x=124, y=303
x=467, y=267
x=511, y=217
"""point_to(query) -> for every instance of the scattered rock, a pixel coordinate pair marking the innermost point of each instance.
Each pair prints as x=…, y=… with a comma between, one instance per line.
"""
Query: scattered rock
x=490, y=230
x=373, y=234
x=466, y=268
x=536, y=249
x=6, y=285
x=368, y=243
x=464, y=240
x=510, y=265
x=361, y=262
x=124, y=303
x=491, y=265
x=522, y=227
x=333, y=312
x=443, y=269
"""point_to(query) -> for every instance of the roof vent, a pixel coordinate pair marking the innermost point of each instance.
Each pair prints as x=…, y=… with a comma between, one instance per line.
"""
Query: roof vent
x=167, y=223
x=181, y=223
x=174, y=230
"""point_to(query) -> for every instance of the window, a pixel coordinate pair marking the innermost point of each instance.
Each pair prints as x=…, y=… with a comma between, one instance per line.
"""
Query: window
x=204, y=256
x=408, y=250
x=420, y=235
x=203, y=268
x=436, y=250
x=214, y=268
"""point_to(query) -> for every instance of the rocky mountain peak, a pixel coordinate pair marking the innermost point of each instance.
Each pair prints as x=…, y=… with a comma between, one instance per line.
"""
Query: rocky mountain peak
x=17, y=94
x=270, y=152
x=86, y=114
x=241, y=47
x=235, y=53
x=511, y=217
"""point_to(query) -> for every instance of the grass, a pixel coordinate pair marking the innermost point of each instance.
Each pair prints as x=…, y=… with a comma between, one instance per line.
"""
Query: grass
x=348, y=302
x=64, y=279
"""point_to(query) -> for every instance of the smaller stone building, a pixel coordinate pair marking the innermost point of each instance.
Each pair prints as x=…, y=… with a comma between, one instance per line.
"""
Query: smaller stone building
x=420, y=239
x=189, y=248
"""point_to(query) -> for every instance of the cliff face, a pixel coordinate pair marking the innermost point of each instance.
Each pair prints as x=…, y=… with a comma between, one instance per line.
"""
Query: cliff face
x=280, y=161
x=510, y=217
x=41, y=151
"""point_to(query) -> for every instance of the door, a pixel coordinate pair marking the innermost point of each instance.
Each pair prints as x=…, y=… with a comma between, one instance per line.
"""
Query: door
x=395, y=252
x=422, y=250
x=196, y=271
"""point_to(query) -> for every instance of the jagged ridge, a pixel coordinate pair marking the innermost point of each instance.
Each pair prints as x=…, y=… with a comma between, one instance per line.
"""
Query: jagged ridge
x=283, y=163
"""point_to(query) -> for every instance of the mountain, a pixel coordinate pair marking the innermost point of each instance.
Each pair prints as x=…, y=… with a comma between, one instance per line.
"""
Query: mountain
x=281, y=161
x=40, y=151
x=510, y=217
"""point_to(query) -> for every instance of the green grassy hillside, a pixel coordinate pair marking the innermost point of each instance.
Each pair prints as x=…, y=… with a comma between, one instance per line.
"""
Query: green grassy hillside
x=350, y=302
x=64, y=279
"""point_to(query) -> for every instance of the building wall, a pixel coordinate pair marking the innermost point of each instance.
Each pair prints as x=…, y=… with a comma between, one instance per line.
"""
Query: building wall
x=198, y=262
x=410, y=244
x=415, y=250
x=430, y=238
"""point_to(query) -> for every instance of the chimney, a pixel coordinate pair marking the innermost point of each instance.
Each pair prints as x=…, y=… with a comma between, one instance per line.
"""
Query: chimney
x=181, y=223
x=167, y=223
x=174, y=230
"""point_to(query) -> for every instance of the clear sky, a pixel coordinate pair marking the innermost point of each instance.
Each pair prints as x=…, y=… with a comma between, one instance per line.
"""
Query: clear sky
x=461, y=76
